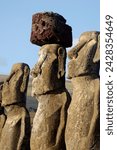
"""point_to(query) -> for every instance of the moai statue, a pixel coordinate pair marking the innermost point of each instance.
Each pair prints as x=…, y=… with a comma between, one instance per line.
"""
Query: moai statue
x=16, y=131
x=82, y=128
x=48, y=86
x=2, y=114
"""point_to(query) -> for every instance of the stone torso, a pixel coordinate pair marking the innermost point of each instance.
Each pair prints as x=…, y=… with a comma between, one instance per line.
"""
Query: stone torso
x=49, y=121
x=83, y=114
x=14, y=134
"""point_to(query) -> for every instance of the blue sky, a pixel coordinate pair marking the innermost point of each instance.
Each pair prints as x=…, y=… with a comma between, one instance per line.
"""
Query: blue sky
x=16, y=21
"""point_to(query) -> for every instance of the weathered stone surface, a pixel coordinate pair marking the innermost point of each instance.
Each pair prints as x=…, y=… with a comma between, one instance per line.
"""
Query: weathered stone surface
x=16, y=131
x=82, y=129
x=50, y=28
x=49, y=121
x=2, y=115
x=49, y=71
x=48, y=86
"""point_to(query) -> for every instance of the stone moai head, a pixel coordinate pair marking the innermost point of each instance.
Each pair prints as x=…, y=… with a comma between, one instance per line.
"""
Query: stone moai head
x=49, y=71
x=85, y=56
x=15, y=87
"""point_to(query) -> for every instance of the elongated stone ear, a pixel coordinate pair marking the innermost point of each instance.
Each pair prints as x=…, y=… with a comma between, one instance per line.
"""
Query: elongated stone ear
x=24, y=84
x=96, y=59
x=61, y=61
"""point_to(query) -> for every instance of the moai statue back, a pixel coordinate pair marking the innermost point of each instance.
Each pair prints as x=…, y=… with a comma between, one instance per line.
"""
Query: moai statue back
x=2, y=115
x=16, y=131
x=48, y=86
x=82, y=129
